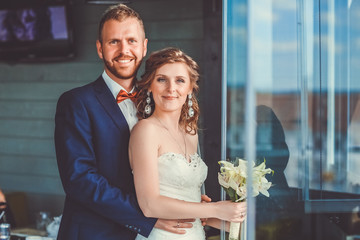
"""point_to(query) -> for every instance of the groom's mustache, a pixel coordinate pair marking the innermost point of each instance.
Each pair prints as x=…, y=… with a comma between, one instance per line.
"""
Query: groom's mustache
x=123, y=56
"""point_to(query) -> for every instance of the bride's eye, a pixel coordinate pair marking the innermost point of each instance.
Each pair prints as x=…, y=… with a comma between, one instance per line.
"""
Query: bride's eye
x=180, y=80
x=161, y=79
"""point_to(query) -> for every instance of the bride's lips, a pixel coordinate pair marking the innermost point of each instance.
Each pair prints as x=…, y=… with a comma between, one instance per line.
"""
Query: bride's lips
x=170, y=97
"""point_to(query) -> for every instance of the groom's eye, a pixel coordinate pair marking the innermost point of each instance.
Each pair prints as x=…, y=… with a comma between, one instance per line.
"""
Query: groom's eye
x=113, y=42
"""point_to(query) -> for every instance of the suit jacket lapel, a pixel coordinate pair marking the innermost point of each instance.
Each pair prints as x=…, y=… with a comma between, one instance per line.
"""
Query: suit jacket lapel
x=107, y=100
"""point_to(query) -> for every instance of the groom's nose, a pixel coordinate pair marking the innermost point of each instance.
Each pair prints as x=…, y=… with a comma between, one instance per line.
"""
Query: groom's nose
x=123, y=47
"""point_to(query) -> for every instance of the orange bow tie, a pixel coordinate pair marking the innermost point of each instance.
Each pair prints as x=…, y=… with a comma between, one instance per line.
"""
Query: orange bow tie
x=124, y=95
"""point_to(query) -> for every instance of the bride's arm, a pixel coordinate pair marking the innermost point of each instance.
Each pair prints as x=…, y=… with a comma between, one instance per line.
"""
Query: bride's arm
x=143, y=153
x=216, y=223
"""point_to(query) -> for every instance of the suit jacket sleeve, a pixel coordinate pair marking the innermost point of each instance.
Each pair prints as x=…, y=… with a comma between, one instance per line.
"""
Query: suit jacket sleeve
x=79, y=173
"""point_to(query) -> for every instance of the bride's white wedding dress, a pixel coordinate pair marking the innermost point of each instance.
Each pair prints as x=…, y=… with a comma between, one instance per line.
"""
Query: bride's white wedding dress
x=182, y=180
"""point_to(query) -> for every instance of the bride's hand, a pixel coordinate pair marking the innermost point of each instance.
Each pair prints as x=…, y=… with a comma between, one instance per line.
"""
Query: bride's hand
x=231, y=211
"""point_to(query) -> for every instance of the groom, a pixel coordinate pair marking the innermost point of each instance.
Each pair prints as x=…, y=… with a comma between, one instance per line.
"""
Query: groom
x=92, y=129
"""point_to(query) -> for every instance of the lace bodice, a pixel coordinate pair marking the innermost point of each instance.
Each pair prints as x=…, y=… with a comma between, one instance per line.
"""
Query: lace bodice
x=180, y=179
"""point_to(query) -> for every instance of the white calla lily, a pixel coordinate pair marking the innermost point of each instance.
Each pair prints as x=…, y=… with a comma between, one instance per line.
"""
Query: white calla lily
x=234, y=178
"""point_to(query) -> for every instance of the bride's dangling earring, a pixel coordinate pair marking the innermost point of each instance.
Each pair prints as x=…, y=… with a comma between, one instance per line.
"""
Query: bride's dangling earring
x=190, y=103
x=148, y=107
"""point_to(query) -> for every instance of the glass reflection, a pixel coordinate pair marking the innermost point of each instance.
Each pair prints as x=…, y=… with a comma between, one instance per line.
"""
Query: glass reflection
x=305, y=76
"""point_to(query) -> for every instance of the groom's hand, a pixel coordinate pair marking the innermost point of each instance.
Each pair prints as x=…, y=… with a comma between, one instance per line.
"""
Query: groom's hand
x=174, y=226
x=204, y=198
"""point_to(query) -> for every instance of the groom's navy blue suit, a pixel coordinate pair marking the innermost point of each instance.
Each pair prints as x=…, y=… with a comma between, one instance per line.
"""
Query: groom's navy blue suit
x=91, y=140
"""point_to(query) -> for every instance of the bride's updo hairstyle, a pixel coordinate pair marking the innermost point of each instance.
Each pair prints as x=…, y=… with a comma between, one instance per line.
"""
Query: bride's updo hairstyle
x=154, y=62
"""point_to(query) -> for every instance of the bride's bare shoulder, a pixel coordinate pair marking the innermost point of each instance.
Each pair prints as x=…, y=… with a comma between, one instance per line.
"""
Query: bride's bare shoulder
x=193, y=138
x=144, y=126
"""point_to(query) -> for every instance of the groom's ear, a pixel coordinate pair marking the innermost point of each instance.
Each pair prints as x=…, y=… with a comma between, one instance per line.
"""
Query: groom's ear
x=145, y=47
x=99, y=49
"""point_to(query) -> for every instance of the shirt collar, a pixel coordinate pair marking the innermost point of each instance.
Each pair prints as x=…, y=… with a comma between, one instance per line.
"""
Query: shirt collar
x=114, y=86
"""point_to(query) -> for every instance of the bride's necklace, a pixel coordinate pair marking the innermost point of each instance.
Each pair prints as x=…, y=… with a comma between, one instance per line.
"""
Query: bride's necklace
x=163, y=125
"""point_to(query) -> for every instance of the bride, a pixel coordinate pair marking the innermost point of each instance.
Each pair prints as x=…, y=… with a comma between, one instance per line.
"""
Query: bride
x=168, y=172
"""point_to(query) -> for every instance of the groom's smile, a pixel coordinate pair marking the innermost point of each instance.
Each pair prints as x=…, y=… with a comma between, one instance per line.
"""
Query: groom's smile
x=124, y=60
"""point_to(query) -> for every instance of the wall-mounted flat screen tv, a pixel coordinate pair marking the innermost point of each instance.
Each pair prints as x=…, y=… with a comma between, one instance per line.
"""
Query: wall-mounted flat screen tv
x=35, y=30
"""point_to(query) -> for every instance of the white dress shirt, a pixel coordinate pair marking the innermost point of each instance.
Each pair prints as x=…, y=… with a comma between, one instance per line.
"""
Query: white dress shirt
x=127, y=106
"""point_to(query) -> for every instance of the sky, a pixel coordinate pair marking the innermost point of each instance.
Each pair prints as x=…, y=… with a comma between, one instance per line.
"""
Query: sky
x=287, y=42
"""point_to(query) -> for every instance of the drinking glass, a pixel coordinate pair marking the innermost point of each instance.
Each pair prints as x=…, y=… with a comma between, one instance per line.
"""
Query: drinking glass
x=4, y=231
x=42, y=220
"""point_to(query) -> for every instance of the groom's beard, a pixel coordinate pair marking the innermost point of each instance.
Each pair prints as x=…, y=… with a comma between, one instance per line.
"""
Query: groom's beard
x=122, y=73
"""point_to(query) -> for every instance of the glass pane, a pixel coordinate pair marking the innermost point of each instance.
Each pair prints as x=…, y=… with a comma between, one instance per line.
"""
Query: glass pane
x=234, y=79
x=262, y=52
x=353, y=90
x=295, y=64
x=330, y=56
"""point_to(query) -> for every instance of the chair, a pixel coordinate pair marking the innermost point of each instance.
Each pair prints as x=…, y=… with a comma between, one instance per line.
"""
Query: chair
x=17, y=202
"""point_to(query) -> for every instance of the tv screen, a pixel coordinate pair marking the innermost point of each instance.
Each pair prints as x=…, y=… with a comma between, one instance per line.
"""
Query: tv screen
x=35, y=30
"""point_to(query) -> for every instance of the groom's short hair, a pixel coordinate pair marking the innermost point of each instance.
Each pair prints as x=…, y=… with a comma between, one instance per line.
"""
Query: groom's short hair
x=119, y=12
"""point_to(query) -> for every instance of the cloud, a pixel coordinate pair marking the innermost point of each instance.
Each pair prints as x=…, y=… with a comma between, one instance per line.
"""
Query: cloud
x=285, y=4
x=327, y=18
x=329, y=44
x=264, y=13
x=290, y=46
x=355, y=14
x=238, y=33
x=240, y=9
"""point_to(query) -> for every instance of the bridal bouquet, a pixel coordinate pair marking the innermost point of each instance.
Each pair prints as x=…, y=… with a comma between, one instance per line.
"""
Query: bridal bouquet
x=233, y=179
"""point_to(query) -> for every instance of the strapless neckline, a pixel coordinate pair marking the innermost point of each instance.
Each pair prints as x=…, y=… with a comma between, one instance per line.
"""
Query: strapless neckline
x=192, y=157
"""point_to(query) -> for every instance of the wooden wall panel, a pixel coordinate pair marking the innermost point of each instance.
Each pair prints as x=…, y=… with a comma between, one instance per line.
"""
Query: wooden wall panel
x=175, y=29
x=25, y=109
x=28, y=128
x=60, y=72
x=168, y=9
x=29, y=165
x=42, y=147
x=25, y=91
x=32, y=183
